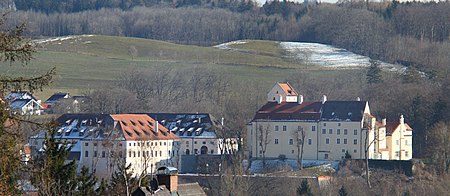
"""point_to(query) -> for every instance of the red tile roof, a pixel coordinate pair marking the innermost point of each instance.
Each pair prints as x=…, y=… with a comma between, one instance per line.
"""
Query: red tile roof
x=141, y=127
x=392, y=126
x=287, y=88
x=289, y=111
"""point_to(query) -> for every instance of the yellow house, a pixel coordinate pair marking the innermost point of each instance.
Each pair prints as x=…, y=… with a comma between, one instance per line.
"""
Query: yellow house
x=398, y=140
x=331, y=129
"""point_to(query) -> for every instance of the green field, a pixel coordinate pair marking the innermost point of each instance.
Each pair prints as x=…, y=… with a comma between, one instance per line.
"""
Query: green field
x=90, y=62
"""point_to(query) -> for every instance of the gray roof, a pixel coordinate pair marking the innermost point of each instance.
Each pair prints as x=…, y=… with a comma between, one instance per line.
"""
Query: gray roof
x=343, y=110
x=188, y=125
x=19, y=103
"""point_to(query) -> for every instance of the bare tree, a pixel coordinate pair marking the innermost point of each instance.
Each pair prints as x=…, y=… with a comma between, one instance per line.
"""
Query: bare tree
x=264, y=139
x=299, y=136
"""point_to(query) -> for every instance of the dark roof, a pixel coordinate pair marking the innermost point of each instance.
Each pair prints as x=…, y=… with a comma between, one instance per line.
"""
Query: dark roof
x=19, y=103
x=13, y=95
x=85, y=119
x=188, y=124
x=391, y=126
x=190, y=189
x=343, y=110
x=309, y=111
x=56, y=97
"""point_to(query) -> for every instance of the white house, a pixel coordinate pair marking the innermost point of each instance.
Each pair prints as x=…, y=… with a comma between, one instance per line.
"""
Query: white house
x=24, y=103
x=101, y=142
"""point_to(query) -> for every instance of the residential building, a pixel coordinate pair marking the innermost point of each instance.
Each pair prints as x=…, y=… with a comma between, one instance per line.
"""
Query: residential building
x=64, y=103
x=332, y=128
x=398, y=142
x=200, y=133
x=101, y=142
x=24, y=103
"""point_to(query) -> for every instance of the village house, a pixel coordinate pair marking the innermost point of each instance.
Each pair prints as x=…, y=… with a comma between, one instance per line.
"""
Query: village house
x=101, y=142
x=24, y=103
x=332, y=130
x=395, y=140
x=64, y=103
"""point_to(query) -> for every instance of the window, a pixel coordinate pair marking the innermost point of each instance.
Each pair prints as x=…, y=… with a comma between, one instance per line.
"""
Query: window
x=86, y=153
x=165, y=143
x=324, y=131
x=160, y=153
x=291, y=141
x=313, y=128
x=260, y=152
x=396, y=142
x=95, y=153
x=338, y=141
x=355, y=132
x=260, y=144
x=406, y=143
x=354, y=150
x=355, y=141
x=339, y=124
x=338, y=131
x=86, y=144
x=160, y=143
x=326, y=156
x=396, y=153
x=187, y=142
x=292, y=151
x=345, y=141
x=276, y=141
x=309, y=141
x=156, y=153
x=139, y=144
x=330, y=131
x=345, y=131
x=103, y=154
x=204, y=142
x=327, y=141
x=343, y=150
x=284, y=128
x=212, y=151
x=134, y=154
x=276, y=128
x=95, y=144
x=195, y=142
x=324, y=124
x=139, y=153
x=406, y=154
x=129, y=153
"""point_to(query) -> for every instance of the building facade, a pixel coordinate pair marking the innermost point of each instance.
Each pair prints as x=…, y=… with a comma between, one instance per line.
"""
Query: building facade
x=327, y=130
x=103, y=142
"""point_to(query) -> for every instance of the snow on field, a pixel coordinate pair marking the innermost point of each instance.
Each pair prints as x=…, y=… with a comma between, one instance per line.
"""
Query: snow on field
x=257, y=165
x=227, y=45
x=328, y=56
x=59, y=39
x=321, y=54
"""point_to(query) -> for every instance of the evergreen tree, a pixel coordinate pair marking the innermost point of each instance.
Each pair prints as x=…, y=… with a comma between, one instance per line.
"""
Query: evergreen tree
x=374, y=73
x=86, y=182
x=304, y=189
x=13, y=48
x=122, y=181
x=102, y=188
x=343, y=191
x=53, y=176
x=411, y=75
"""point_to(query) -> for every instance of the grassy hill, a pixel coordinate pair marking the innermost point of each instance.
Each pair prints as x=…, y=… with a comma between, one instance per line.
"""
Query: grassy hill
x=92, y=62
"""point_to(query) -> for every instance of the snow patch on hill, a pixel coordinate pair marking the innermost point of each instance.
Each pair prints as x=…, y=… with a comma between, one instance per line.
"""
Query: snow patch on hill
x=329, y=56
x=59, y=39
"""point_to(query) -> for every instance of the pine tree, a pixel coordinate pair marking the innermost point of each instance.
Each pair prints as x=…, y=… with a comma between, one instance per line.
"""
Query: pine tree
x=14, y=48
x=343, y=191
x=122, y=181
x=52, y=175
x=374, y=73
x=86, y=182
x=304, y=189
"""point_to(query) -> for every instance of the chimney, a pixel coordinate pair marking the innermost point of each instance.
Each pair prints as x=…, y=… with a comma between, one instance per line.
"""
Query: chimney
x=280, y=99
x=300, y=99
x=402, y=120
x=358, y=99
x=383, y=121
x=324, y=99
x=221, y=122
x=156, y=126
